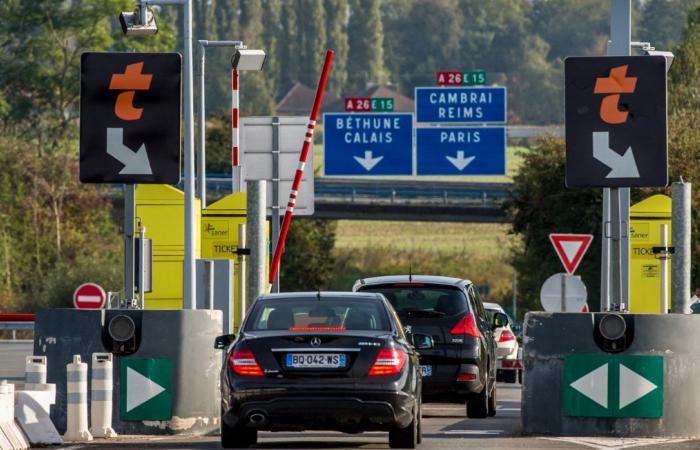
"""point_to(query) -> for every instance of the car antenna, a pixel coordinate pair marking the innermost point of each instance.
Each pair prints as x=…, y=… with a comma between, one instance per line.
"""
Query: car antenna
x=410, y=271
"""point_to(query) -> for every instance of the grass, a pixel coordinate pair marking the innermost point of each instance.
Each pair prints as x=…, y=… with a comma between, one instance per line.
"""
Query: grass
x=475, y=251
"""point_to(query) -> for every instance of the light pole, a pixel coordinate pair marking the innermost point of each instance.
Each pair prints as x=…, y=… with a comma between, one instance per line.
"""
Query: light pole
x=145, y=25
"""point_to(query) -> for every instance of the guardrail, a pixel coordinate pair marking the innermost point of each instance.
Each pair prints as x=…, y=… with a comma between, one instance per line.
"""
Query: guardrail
x=16, y=321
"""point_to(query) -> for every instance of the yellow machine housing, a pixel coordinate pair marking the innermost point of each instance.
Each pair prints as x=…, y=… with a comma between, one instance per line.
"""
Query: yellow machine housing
x=646, y=218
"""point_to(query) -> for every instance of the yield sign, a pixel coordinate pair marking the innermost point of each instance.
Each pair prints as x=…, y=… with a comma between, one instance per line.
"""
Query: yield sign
x=570, y=248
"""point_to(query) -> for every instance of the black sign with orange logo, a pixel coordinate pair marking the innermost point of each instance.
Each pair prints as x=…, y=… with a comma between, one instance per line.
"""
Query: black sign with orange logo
x=616, y=121
x=130, y=117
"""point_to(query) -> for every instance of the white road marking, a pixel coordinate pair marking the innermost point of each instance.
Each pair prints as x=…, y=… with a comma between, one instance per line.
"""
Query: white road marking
x=615, y=443
x=472, y=432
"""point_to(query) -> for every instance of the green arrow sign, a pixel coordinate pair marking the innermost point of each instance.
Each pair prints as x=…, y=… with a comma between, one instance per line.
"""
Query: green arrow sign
x=613, y=386
x=145, y=391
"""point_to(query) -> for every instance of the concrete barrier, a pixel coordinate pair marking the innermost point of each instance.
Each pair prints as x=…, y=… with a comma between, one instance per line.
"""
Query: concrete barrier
x=182, y=338
x=648, y=389
x=32, y=416
x=11, y=437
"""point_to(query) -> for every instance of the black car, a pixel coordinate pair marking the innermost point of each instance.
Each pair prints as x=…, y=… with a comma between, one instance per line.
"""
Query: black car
x=461, y=365
x=320, y=361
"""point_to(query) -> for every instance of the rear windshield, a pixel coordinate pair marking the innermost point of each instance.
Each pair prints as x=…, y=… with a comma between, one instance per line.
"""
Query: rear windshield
x=415, y=299
x=318, y=315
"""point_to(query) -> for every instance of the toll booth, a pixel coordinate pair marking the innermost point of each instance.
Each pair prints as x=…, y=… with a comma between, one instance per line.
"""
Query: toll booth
x=161, y=209
x=219, y=224
x=646, y=218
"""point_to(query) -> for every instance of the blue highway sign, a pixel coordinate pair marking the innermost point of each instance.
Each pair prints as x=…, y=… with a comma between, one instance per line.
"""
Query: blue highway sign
x=461, y=151
x=460, y=104
x=368, y=144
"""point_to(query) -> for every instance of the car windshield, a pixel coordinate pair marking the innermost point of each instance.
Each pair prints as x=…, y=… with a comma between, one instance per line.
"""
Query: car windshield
x=312, y=314
x=420, y=300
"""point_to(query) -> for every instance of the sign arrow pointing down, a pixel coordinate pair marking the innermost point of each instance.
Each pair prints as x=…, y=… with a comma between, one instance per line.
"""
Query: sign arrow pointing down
x=623, y=166
x=368, y=162
x=460, y=162
x=134, y=163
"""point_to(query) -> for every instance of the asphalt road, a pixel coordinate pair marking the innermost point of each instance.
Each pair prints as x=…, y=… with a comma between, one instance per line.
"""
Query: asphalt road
x=445, y=427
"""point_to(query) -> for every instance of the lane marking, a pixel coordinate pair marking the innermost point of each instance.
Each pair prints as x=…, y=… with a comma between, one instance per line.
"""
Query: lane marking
x=615, y=443
x=471, y=432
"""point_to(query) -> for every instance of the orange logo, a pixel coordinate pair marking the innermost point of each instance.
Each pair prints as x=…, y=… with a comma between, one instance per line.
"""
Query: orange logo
x=130, y=81
x=616, y=83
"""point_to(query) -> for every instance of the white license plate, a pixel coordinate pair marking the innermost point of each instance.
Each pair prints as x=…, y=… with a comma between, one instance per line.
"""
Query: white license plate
x=426, y=371
x=316, y=360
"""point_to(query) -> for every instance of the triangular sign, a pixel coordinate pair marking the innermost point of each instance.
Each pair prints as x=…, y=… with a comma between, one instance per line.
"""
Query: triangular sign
x=594, y=385
x=570, y=248
x=139, y=389
x=633, y=386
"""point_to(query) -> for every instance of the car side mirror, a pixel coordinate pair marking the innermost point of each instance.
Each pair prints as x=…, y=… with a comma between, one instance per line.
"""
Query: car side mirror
x=222, y=342
x=499, y=320
x=422, y=341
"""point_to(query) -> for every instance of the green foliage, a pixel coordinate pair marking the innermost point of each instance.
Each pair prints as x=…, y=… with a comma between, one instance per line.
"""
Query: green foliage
x=542, y=205
x=307, y=262
x=337, y=39
x=366, y=37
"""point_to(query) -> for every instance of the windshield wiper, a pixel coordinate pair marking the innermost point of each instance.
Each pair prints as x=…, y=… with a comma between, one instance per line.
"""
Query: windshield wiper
x=423, y=312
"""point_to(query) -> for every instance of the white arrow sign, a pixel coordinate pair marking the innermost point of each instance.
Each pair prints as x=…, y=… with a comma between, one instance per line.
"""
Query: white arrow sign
x=368, y=162
x=460, y=162
x=594, y=385
x=633, y=386
x=134, y=163
x=139, y=389
x=622, y=166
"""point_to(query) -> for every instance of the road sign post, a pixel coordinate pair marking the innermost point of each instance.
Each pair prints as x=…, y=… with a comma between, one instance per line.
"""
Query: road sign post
x=461, y=151
x=461, y=105
x=570, y=248
x=563, y=292
x=89, y=296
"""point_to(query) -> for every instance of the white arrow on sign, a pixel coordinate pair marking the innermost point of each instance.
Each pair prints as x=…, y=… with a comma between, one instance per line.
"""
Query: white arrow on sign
x=594, y=385
x=622, y=166
x=368, y=162
x=139, y=389
x=633, y=386
x=460, y=162
x=134, y=163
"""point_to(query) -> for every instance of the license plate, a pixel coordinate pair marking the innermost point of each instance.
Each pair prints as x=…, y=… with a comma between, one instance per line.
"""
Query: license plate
x=316, y=360
x=426, y=371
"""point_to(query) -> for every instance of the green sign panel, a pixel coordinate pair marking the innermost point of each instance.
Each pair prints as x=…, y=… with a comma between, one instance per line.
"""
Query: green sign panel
x=474, y=78
x=145, y=389
x=614, y=386
x=382, y=104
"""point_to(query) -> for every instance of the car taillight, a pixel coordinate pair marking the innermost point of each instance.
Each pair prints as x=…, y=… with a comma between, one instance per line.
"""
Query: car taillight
x=466, y=377
x=466, y=325
x=243, y=363
x=506, y=336
x=389, y=361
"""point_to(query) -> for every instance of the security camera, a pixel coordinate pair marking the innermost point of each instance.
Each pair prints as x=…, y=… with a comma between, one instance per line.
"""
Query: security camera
x=132, y=26
x=668, y=55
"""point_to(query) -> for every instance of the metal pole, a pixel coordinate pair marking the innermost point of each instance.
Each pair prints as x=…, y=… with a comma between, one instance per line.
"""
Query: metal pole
x=210, y=283
x=142, y=265
x=129, y=213
x=515, y=296
x=201, y=155
x=236, y=172
x=563, y=292
x=256, y=196
x=242, y=274
x=680, y=237
x=619, y=45
x=605, y=254
x=190, y=282
x=664, y=268
x=276, y=213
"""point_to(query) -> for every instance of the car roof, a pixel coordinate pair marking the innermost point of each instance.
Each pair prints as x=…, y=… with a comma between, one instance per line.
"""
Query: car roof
x=428, y=279
x=322, y=295
x=495, y=306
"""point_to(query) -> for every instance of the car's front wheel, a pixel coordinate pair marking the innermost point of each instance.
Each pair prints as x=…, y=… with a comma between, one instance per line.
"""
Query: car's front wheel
x=237, y=437
x=492, y=401
x=407, y=437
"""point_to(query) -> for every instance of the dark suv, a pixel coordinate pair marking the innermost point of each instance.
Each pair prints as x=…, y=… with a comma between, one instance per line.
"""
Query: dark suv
x=460, y=365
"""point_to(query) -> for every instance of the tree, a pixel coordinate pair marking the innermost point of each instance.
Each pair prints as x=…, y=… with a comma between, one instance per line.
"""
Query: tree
x=307, y=262
x=289, y=48
x=542, y=205
x=312, y=32
x=337, y=40
x=662, y=22
x=366, y=38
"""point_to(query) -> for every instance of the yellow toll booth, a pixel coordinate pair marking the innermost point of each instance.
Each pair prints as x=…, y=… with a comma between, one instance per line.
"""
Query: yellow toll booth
x=161, y=209
x=220, y=223
x=646, y=218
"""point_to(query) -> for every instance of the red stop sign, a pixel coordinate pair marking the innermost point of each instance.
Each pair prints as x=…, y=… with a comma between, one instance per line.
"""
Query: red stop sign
x=89, y=296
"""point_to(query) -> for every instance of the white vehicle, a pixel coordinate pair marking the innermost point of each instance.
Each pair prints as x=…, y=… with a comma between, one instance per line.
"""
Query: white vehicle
x=507, y=348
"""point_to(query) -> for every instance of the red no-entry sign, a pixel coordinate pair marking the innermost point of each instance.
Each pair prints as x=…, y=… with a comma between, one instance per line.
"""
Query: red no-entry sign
x=89, y=296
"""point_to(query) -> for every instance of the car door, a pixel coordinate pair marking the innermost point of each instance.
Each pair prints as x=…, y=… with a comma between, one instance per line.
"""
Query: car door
x=484, y=325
